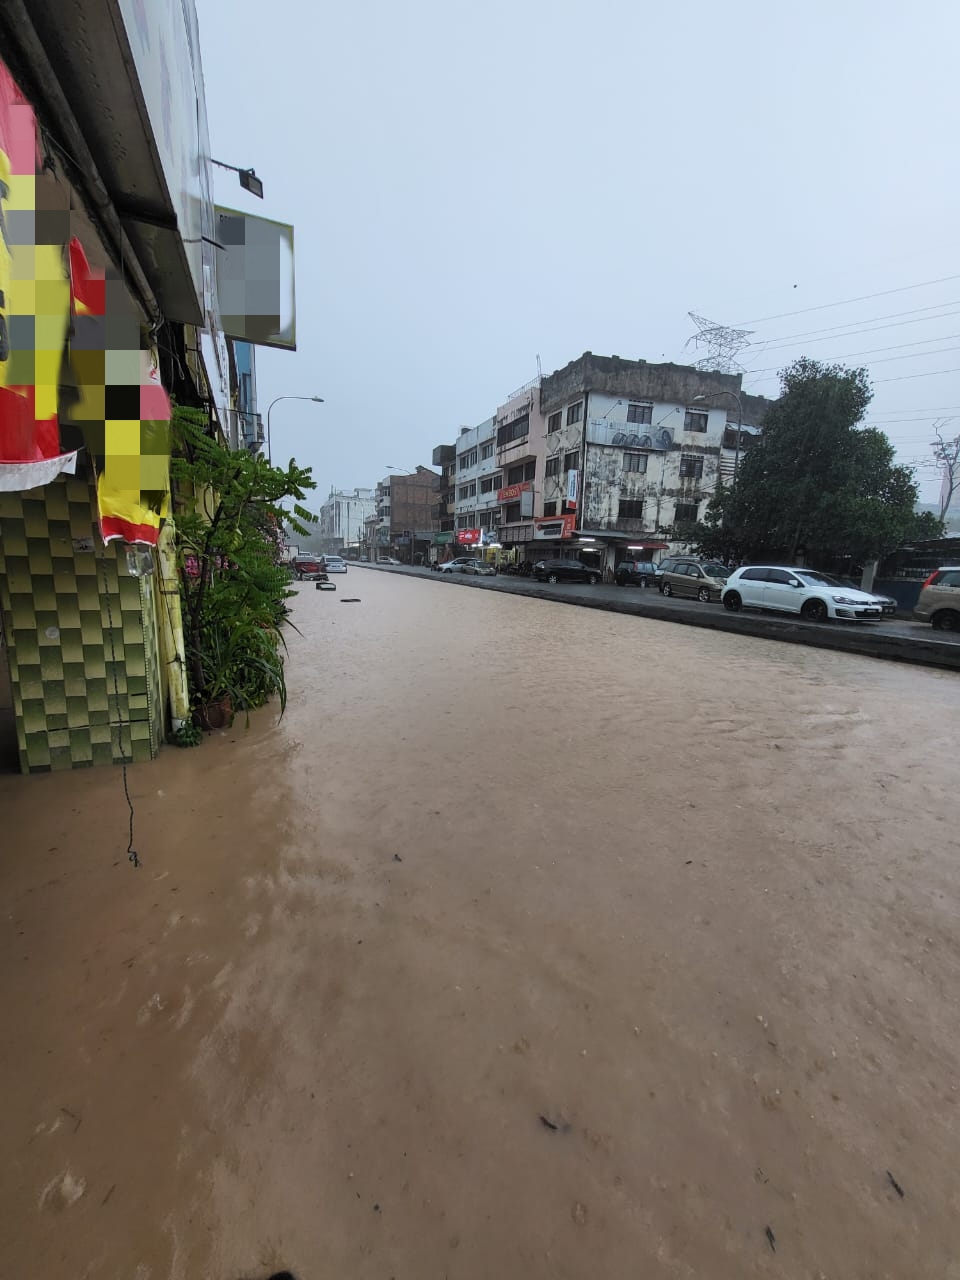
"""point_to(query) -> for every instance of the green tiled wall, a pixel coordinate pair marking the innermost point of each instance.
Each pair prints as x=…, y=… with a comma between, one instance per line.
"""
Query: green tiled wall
x=81, y=635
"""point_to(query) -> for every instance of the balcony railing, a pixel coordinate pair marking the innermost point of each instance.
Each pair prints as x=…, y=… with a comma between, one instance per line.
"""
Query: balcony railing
x=620, y=525
x=629, y=435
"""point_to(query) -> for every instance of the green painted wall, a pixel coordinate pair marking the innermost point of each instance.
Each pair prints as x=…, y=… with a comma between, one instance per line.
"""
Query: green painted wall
x=81, y=634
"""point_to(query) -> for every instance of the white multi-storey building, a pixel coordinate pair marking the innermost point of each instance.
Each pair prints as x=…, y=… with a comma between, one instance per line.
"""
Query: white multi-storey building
x=635, y=450
x=343, y=515
x=476, y=482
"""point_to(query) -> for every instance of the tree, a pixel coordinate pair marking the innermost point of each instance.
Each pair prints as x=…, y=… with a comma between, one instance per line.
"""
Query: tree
x=232, y=508
x=815, y=483
x=946, y=459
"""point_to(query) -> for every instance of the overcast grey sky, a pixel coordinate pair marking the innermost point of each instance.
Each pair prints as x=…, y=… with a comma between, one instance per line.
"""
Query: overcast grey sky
x=474, y=185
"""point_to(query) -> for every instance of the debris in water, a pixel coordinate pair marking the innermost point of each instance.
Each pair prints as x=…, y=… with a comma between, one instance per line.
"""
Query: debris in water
x=397, y=858
x=771, y=1239
x=350, y=600
x=548, y=1124
x=896, y=1185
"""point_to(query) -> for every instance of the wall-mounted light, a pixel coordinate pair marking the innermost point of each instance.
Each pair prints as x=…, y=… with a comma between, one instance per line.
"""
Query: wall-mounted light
x=248, y=178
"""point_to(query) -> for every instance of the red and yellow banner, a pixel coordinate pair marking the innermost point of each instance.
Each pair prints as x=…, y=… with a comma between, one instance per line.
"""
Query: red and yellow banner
x=57, y=316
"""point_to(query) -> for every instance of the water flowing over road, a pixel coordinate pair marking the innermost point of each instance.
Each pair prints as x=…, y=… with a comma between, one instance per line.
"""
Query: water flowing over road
x=535, y=942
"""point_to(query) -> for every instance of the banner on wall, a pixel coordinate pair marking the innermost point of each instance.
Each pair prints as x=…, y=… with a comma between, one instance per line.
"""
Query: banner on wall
x=57, y=316
x=34, y=295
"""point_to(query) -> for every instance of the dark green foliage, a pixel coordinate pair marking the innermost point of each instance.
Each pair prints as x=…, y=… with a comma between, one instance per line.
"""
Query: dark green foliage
x=815, y=483
x=231, y=510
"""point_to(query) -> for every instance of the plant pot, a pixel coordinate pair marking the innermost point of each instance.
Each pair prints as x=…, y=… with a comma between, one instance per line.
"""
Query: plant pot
x=217, y=714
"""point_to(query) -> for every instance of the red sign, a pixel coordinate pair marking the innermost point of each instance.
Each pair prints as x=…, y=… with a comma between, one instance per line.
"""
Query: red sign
x=512, y=491
x=467, y=537
x=556, y=527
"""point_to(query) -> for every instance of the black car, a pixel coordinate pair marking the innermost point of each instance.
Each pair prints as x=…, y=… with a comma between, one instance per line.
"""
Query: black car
x=636, y=573
x=565, y=571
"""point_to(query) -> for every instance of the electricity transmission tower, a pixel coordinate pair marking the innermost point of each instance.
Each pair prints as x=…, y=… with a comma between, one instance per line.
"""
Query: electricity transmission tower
x=722, y=345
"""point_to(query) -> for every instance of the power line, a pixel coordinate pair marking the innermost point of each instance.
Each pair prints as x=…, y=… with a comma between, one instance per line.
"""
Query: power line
x=851, y=324
x=934, y=373
x=897, y=346
x=846, y=302
x=914, y=355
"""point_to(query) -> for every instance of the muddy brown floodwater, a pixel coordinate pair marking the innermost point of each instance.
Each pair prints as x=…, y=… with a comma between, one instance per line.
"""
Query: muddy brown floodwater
x=536, y=942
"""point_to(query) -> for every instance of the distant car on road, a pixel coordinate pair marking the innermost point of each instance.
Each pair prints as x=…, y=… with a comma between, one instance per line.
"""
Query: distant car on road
x=387, y=560
x=462, y=564
x=636, y=573
x=565, y=571
x=805, y=591
x=939, y=602
x=335, y=564
x=698, y=579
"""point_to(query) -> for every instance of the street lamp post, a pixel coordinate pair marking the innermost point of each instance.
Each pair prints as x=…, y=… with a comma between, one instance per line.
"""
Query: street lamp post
x=315, y=399
x=734, y=396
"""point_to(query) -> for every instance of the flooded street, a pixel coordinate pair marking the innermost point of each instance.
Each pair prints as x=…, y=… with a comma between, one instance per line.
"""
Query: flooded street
x=536, y=942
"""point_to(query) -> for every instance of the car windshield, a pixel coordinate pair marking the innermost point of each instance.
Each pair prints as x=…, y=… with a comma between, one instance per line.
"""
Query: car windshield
x=825, y=579
x=714, y=570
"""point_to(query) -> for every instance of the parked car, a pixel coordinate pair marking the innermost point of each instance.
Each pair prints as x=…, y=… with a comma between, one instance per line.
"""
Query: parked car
x=887, y=603
x=939, y=602
x=636, y=573
x=336, y=564
x=387, y=560
x=565, y=571
x=700, y=580
x=805, y=591
x=460, y=565
x=306, y=568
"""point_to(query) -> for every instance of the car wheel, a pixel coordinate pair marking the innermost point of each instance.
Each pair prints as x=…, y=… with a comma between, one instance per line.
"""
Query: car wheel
x=732, y=601
x=703, y=595
x=593, y=579
x=814, y=611
x=946, y=620
x=552, y=577
x=666, y=589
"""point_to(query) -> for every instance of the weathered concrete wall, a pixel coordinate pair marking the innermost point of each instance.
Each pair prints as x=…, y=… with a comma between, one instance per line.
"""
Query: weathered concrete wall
x=631, y=380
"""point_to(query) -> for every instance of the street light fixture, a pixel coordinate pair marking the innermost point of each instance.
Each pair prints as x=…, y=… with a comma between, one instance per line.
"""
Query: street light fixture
x=739, y=403
x=248, y=178
x=315, y=399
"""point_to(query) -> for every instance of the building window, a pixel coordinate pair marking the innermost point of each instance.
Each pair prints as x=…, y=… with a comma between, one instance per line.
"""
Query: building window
x=630, y=509
x=467, y=491
x=686, y=512
x=642, y=413
x=511, y=514
x=466, y=522
x=486, y=451
x=695, y=420
x=549, y=508
x=489, y=519
x=571, y=460
x=635, y=462
x=574, y=412
x=515, y=475
x=553, y=422
x=530, y=470
x=553, y=466
x=487, y=484
x=518, y=429
x=691, y=468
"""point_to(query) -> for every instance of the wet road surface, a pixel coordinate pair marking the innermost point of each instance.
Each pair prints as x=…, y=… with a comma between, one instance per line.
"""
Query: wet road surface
x=899, y=627
x=536, y=942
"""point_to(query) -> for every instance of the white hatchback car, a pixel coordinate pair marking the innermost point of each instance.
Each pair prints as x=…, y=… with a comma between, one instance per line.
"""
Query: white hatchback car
x=815, y=596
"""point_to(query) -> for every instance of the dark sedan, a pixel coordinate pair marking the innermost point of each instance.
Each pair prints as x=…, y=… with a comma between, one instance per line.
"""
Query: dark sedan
x=636, y=573
x=565, y=571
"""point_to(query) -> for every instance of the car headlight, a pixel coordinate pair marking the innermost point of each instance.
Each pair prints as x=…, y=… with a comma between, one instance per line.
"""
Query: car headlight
x=844, y=600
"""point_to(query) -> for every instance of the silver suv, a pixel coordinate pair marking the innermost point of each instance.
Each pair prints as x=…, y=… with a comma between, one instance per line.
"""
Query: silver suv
x=939, y=602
